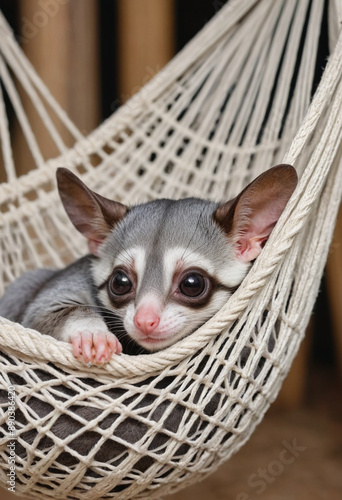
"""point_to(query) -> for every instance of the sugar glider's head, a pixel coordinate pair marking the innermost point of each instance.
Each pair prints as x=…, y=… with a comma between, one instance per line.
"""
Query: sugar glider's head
x=166, y=266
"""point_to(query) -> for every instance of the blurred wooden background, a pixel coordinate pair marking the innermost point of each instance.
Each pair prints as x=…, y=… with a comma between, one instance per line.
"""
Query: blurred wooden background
x=93, y=55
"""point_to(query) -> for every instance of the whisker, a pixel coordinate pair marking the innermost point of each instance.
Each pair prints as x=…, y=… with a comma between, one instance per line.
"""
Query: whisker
x=194, y=232
x=194, y=250
x=124, y=250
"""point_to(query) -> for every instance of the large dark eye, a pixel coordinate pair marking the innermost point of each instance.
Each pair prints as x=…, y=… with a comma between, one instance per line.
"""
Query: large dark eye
x=192, y=285
x=120, y=284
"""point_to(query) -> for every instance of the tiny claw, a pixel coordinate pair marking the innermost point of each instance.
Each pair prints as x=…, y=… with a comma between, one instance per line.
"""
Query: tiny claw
x=76, y=342
x=105, y=345
x=87, y=347
x=94, y=347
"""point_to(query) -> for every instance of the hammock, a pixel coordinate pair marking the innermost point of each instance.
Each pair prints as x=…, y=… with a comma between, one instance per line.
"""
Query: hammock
x=233, y=103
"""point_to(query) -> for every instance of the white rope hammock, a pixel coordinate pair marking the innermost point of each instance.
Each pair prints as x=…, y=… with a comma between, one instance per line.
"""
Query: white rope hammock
x=233, y=103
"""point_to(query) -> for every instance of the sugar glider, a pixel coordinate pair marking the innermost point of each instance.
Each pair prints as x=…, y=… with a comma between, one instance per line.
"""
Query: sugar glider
x=156, y=271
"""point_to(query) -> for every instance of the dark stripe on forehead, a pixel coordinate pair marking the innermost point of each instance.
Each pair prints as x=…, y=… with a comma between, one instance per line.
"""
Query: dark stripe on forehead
x=157, y=242
x=160, y=225
x=153, y=279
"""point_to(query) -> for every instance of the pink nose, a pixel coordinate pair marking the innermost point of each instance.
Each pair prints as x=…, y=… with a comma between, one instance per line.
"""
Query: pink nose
x=146, y=319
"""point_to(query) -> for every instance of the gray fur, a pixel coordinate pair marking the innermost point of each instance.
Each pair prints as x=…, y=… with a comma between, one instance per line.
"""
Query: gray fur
x=160, y=225
x=44, y=298
x=21, y=292
x=66, y=292
x=212, y=233
x=36, y=298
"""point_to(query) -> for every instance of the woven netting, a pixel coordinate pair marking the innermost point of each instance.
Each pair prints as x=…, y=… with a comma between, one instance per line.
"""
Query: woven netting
x=233, y=103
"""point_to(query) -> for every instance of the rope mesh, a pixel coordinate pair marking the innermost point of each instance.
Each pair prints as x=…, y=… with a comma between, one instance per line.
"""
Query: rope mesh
x=233, y=103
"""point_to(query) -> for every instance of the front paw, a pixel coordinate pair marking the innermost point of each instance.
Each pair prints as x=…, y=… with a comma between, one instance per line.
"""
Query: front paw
x=94, y=347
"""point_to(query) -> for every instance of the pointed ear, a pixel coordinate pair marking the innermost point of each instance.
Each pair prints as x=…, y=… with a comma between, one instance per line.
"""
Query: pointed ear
x=93, y=215
x=249, y=219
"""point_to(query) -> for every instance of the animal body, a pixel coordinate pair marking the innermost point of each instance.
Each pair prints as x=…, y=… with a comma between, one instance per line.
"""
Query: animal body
x=155, y=272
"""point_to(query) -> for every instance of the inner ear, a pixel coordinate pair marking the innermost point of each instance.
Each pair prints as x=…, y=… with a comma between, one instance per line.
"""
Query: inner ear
x=249, y=219
x=92, y=214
